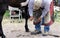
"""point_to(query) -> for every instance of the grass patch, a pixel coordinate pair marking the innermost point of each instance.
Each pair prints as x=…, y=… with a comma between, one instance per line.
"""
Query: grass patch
x=57, y=16
x=6, y=15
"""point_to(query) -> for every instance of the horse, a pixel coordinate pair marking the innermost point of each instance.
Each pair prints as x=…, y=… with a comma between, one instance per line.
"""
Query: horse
x=14, y=3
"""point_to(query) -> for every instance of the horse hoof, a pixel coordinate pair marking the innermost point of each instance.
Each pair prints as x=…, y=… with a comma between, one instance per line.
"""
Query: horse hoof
x=3, y=36
x=27, y=31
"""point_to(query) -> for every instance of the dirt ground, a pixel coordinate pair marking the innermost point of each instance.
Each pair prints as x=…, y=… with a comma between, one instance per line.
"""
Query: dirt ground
x=16, y=30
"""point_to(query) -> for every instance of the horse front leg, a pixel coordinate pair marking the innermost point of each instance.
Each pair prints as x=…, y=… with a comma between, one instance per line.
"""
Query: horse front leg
x=26, y=25
x=2, y=12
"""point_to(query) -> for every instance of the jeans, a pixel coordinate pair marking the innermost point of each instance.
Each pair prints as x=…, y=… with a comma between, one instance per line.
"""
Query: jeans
x=38, y=26
x=46, y=28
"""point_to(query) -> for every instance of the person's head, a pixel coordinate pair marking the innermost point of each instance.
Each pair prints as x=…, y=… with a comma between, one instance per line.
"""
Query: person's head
x=37, y=4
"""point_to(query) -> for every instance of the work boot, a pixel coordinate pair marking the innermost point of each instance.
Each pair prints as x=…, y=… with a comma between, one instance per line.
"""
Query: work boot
x=45, y=33
x=36, y=32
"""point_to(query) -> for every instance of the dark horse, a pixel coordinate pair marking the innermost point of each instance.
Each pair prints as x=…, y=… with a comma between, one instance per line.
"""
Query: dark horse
x=14, y=3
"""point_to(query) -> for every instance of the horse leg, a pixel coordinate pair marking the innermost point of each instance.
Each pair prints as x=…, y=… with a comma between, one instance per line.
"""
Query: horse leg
x=26, y=19
x=26, y=25
x=2, y=11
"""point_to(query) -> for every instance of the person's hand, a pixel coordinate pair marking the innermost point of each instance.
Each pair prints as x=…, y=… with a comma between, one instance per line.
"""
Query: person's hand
x=31, y=18
x=39, y=19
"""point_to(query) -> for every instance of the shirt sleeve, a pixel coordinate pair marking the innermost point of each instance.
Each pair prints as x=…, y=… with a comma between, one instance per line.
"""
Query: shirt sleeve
x=30, y=7
x=46, y=9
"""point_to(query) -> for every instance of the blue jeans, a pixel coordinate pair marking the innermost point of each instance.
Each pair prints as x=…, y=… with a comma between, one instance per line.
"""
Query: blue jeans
x=38, y=26
x=46, y=28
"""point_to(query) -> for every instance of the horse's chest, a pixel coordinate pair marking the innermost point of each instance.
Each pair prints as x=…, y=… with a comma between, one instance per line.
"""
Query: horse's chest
x=21, y=1
x=3, y=1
